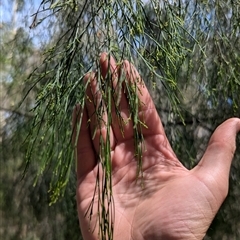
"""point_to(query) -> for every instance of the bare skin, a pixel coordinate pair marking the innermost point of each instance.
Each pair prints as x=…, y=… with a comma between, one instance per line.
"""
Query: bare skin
x=175, y=203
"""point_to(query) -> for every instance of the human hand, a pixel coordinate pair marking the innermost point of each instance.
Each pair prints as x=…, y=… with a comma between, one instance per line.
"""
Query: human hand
x=175, y=203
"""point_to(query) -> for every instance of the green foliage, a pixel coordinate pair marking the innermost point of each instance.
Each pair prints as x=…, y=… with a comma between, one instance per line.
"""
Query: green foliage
x=186, y=51
x=117, y=27
x=99, y=26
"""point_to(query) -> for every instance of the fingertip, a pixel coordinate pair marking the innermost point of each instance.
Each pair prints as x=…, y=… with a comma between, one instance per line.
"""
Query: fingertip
x=89, y=77
x=107, y=62
x=103, y=57
x=226, y=133
x=219, y=154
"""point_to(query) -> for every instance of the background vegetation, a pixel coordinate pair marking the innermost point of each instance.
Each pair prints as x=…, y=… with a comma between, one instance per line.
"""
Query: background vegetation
x=188, y=54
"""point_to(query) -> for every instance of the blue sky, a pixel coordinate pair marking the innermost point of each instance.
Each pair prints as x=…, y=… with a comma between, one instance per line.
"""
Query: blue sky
x=23, y=19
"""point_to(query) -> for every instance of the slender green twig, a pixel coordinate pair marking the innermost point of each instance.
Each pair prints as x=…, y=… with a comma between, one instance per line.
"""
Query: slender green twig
x=155, y=37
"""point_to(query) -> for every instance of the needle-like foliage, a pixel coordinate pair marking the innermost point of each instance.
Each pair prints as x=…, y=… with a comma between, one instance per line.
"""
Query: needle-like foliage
x=160, y=38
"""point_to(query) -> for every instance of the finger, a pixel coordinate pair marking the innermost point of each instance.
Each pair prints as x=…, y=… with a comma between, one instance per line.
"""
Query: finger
x=96, y=110
x=108, y=66
x=135, y=85
x=215, y=163
x=121, y=124
x=147, y=113
x=83, y=148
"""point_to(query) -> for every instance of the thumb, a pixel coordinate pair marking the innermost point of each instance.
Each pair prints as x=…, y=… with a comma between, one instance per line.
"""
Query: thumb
x=216, y=162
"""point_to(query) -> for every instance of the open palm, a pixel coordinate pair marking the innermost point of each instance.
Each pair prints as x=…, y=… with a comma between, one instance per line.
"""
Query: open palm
x=174, y=202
